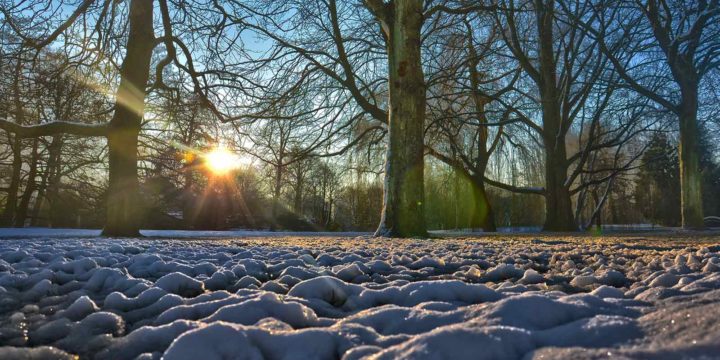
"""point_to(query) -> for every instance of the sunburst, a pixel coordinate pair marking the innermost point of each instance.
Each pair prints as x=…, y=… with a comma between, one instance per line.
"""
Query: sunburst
x=221, y=161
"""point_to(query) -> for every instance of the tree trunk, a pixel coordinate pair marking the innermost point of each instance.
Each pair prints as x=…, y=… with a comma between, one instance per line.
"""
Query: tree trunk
x=598, y=216
x=276, y=195
x=49, y=189
x=457, y=200
x=39, y=200
x=298, y=196
x=329, y=213
x=597, y=213
x=190, y=208
x=55, y=175
x=482, y=213
x=49, y=184
x=403, y=208
x=558, y=204
x=123, y=192
x=690, y=177
x=30, y=188
x=8, y=214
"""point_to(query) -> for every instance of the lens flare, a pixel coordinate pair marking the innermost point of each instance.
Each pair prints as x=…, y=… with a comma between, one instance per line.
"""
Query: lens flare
x=221, y=161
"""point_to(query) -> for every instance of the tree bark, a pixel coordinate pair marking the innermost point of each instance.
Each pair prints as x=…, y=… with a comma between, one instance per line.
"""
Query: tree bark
x=8, y=214
x=558, y=204
x=482, y=213
x=403, y=200
x=299, y=185
x=54, y=176
x=277, y=187
x=689, y=157
x=39, y=200
x=457, y=200
x=123, y=193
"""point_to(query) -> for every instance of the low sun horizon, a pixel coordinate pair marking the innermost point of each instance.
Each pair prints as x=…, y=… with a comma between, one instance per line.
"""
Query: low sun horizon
x=221, y=161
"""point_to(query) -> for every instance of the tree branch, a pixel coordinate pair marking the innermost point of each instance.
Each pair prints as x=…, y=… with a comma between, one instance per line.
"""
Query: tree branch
x=55, y=127
x=515, y=189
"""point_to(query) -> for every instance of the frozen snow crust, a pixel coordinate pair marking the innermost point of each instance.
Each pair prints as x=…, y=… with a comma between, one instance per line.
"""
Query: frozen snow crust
x=360, y=298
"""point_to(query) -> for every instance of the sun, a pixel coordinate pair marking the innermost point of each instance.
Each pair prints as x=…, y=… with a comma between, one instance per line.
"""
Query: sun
x=221, y=161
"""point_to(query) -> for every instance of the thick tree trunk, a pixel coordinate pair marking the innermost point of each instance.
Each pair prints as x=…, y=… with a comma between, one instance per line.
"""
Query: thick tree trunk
x=403, y=200
x=482, y=213
x=690, y=177
x=558, y=203
x=30, y=188
x=123, y=193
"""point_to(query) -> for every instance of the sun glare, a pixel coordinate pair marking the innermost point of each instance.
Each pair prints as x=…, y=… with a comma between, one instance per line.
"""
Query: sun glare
x=221, y=161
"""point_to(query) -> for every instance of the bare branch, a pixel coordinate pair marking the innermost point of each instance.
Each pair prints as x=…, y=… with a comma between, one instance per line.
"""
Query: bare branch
x=55, y=127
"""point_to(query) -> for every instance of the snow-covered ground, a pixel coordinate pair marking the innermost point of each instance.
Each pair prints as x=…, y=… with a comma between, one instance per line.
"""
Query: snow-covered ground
x=505, y=297
x=19, y=233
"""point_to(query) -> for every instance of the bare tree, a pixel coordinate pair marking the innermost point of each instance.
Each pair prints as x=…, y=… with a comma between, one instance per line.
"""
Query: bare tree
x=460, y=107
x=571, y=88
x=380, y=71
x=684, y=37
x=123, y=129
x=134, y=73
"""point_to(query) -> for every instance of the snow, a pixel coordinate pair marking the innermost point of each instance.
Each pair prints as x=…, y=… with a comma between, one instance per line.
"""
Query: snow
x=605, y=292
x=463, y=342
x=8, y=233
x=531, y=276
x=320, y=297
x=180, y=284
x=79, y=309
x=583, y=281
x=38, y=353
x=665, y=280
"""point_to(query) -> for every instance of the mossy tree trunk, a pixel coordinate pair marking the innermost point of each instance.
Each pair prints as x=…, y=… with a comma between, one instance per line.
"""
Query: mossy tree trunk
x=482, y=213
x=123, y=206
x=689, y=155
x=403, y=201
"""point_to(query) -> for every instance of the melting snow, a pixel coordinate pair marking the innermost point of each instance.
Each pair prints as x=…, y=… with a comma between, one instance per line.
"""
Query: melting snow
x=356, y=298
